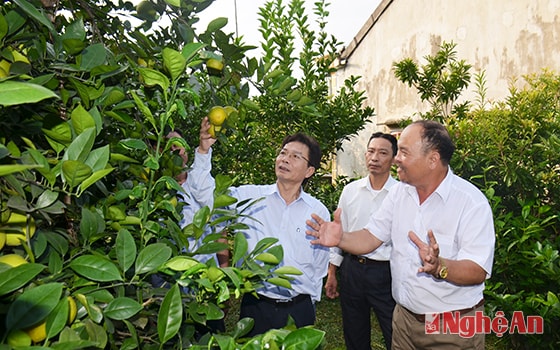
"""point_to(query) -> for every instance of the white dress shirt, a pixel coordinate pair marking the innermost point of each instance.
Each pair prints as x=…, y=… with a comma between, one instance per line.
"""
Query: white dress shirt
x=359, y=201
x=272, y=217
x=461, y=219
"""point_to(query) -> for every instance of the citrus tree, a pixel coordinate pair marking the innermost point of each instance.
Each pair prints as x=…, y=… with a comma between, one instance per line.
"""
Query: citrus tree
x=89, y=210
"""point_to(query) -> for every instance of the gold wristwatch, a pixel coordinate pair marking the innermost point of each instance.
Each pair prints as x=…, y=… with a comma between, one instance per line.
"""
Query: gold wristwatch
x=442, y=274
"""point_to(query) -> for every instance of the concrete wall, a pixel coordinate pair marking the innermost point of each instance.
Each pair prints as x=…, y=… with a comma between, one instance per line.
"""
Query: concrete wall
x=505, y=38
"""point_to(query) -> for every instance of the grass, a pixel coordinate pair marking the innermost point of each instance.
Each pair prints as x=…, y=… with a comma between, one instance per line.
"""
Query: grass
x=329, y=320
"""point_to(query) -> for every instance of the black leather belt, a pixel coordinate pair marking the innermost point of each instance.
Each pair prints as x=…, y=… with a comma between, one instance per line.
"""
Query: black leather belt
x=286, y=302
x=365, y=261
x=422, y=317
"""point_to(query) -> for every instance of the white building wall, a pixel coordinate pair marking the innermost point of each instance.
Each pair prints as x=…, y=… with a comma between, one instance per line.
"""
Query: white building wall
x=505, y=38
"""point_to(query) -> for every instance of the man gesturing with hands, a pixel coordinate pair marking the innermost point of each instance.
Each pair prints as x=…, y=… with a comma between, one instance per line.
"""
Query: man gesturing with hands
x=443, y=238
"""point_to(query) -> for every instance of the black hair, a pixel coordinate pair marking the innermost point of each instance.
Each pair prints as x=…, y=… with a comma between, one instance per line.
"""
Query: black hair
x=387, y=137
x=436, y=137
x=311, y=143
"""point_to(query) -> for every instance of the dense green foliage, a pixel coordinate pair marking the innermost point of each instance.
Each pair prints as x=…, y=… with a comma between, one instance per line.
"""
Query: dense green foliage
x=87, y=176
x=511, y=151
x=87, y=187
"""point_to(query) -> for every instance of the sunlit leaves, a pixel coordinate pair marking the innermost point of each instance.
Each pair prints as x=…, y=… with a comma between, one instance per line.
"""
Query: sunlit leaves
x=96, y=268
x=16, y=93
x=122, y=308
x=174, y=63
x=152, y=257
x=170, y=314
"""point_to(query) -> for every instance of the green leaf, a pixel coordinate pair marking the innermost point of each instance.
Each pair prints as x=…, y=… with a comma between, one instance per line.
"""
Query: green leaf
x=73, y=46
x=133, y=144
x=44, y=167
x=15, y=168
x=174, y=63
x=3, y=27
x=96, y=268
x=211, y=248
x=181, y=263
x=280, y=282
x=33, y=305
x=304, y=339
x=214, y=312
x=16, y=93
x=126, y=250
x=201, y=217
x=240, y=247
x=75, y=172
x=288, y=270
x=16, y=277
x=170, y=314
x=152, y=77
x=99, y=158
x=223, y=200
x=122, y=308
x=81, y=119
x=88, y=224
x=80, y=148
x=152, y=257
x=144, y=109
x=35, y=14
x=267, y=258
x=176, y=3
x=217, y=24
x=46, y=199
x=58, y=318
x=190, y=50
x=93, y=178
x=117, y=157
x=92, y=56
x=113, y=96
x=264, y=244
x=61, y=133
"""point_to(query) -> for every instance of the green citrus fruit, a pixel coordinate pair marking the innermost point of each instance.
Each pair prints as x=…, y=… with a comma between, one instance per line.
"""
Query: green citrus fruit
x=146, y=10
x=217, y=115
x=214, y=64
x=18, y=338
x=212, y=131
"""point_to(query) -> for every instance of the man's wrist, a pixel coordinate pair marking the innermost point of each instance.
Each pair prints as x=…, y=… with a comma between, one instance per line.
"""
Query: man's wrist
x=442, y=270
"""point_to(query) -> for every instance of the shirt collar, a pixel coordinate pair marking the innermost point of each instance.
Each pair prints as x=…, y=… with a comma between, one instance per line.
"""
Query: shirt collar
x=443, y=190
x=302, y=194
x=367, y=184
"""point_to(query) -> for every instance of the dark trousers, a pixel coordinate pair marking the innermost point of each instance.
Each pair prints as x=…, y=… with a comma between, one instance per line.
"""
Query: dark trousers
x=364, y=286
x=269, y=314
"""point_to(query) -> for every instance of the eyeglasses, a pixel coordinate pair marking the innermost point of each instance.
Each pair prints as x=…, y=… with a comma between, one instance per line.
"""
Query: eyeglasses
x=293, y=156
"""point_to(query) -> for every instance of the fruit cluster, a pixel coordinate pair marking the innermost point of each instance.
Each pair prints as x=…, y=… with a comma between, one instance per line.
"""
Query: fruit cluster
x=217, y=116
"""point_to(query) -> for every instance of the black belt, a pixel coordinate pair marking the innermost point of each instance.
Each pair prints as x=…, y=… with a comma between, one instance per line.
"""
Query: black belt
x=285, y=302
x=422, y=317
x=366, y=261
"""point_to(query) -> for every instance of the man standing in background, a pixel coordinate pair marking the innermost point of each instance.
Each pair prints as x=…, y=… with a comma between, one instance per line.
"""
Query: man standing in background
x=365, y=280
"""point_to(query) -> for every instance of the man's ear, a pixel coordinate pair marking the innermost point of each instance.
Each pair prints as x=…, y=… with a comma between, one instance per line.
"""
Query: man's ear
x=310, y=171
x=435, y=159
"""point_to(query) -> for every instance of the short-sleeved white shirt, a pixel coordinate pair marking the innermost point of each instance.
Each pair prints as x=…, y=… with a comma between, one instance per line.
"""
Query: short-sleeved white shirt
x=461, y=219
x=359, y=201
